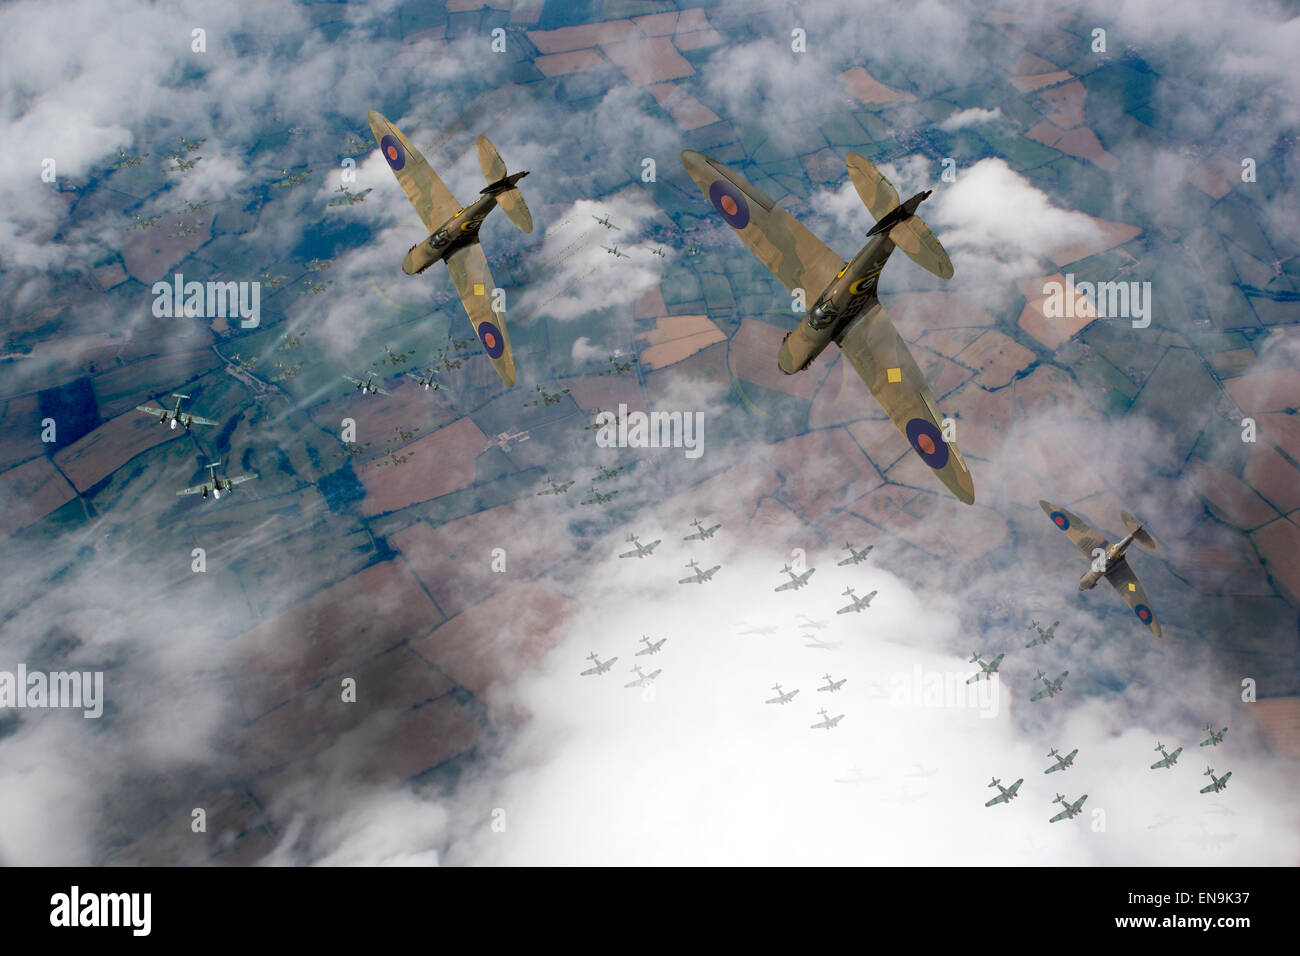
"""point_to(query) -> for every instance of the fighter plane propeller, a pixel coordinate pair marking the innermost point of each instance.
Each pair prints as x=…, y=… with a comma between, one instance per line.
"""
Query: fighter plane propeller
x=174, y=414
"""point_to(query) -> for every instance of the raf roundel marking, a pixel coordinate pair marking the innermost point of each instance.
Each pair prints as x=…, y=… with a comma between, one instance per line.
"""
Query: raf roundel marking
x=928, y=442
x=1144, y=613
x=393, y=152
x=492, y=339
x=1063, y=523
x=729, y=201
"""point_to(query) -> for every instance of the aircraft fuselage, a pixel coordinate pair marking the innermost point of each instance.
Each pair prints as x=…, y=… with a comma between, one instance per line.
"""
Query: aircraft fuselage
x=850, y=294
x=1113, y=561
x=457, y=232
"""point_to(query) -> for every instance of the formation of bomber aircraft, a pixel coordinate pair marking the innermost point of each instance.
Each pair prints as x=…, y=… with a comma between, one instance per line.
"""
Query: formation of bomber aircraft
x=844, y=309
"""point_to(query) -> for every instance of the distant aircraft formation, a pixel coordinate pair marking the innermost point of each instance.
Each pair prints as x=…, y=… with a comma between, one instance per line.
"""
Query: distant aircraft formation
x=642, y=679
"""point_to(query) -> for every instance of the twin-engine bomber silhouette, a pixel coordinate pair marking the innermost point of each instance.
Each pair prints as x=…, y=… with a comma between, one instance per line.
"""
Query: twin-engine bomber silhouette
x=453, y=230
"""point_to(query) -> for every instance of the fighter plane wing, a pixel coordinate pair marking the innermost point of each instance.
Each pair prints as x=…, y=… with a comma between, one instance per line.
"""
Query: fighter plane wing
x=197, y=489
x=881, y=357
x=430, y=197
x=787, y=586
x=469, y=270
x=1124, y=581
x=782, y=243
x=240, y=479
x=876, y=192
x=152, y=410
x=196, y=419
x=1084, y=538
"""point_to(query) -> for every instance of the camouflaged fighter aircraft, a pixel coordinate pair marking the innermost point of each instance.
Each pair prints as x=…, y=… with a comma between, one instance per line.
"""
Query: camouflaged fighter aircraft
x=846, y=310
x=214, y=485
x=453, y=230
x=1109, y=562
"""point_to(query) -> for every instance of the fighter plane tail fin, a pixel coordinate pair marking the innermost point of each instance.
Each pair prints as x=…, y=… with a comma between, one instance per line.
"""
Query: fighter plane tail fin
x=1139, y=533
x=909, y=233
x=503, y=187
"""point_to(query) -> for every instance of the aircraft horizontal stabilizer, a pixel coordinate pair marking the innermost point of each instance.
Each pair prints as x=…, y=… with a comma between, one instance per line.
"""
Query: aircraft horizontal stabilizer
x=508, y=196
x=1141, y=536
x=914, y=237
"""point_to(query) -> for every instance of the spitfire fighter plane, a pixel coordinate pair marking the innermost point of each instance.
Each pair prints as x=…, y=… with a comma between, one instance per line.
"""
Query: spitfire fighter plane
x=598, y=667
x=367, y=387
x=700, y=575
x=1071, y=810
x=1217, y=783
x=855, y=557
x=639, y=550
x=1167, y=759
x=1043, y=635
x=651, y=647
x=782, y=697
x=987, y=669
x=1062, y=763
x=1109, y=562
x=1005, y=794
x=701, y=533
x=453, y=230
x=858, y=605
x=214, y=486
x=827, y=721
x=174, y=414
x=1050, y=687
x=796, y=580
x=1215, y=738
x=831, y=685
x=845, y=309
